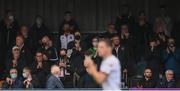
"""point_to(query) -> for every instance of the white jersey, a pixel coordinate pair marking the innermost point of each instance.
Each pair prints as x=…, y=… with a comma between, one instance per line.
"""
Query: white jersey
x=111, y=66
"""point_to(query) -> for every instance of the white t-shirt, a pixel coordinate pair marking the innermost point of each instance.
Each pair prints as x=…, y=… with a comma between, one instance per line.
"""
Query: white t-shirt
x=111, y=66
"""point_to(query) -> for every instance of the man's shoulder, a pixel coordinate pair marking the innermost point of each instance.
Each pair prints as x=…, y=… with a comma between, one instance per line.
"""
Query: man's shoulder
x=112, y=59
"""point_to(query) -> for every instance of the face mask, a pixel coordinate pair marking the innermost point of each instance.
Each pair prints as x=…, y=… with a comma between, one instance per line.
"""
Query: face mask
x=24, y=75
x=13, y=76
x=77, y=37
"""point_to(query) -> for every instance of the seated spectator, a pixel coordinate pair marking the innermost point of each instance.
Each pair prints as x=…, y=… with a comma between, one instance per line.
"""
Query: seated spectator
x=54, y=81
x=40, y=68
x=64, y=65
x=147, y=81
x=16, y=61
x=30, y=80
x=110, y=31
x=68, y=19
x=49, y=51
x=168, y=81
x=66, y=37
x=38, y=30
x=14, y=81
x=28, y=40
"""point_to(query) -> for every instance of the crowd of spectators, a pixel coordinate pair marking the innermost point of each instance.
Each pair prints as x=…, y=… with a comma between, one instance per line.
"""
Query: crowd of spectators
x=31, y=58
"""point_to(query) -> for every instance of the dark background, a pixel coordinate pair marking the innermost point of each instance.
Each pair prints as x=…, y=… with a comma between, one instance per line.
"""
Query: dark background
x=92, y=15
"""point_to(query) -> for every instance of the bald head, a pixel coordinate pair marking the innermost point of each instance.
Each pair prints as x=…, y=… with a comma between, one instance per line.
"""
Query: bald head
x=55, y=70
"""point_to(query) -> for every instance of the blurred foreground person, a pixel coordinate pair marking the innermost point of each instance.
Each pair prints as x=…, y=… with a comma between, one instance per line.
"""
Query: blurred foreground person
x=13, y=81
x=54, y=81
x=168, y=81
x=109, y=74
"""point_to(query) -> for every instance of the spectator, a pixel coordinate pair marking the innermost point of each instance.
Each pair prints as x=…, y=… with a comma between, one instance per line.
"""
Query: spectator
x=171, y=57
x=40, y=68
x=168, y=81
x=153, y=58
x=160, y=29
x=38, y=30
x=8, y=29
x=49, y=51
x=30, y=80
x=123, y=54
x=54, y=80
x=167, y=19
x=64, y=65
x=66, y=37
x=28, y=40
x=125, y=17
x=24, y=50
x=14, y=81
x=147, y=81
x=15, y=61
x=78, y=39
x=68, y=19
x=77, y=67
x=89, y=82
x=110, y=31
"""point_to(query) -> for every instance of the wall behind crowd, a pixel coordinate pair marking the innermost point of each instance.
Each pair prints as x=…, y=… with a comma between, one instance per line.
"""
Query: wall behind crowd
x=91, y=15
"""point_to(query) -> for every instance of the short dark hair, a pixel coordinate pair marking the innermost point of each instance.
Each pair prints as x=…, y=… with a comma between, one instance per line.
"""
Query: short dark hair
x=106, y=41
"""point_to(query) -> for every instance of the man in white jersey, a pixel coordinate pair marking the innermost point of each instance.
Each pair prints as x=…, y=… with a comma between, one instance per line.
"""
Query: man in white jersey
x=109, y=75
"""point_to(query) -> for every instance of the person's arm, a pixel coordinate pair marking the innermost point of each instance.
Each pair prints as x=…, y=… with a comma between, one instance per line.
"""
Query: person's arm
x=91, y=68
x=100, y=77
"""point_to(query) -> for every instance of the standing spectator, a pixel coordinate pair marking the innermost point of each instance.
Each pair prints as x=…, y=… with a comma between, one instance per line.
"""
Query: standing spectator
x=54, y=81
x=14, y=81
x=78, y=39
x=89, y=82
x=160, y=30
x=24, y=50
x=40, y=68
x=171, y=57
x=64, y=65
x=168, y=81
x=153, y=58
x=125, y=17
x=8, y=29
x=167, y=19
x=147, y=81
x=123, y=54
x=30, y=80
x=143, y=31
x=110, y=31
x=66, y=37
x=68, y=19
x=28, y=40
x=38, y=30
x=49, y=51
